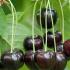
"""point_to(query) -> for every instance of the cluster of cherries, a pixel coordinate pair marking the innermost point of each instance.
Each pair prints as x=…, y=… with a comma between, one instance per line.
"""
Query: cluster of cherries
x=40, y=59
x=46, y=60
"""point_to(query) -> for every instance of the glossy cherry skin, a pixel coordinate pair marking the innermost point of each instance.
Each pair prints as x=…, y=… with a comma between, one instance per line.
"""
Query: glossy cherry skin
x=13, y=60
x=28, y=43
x=58, y=37
x=46, y=16
x=59, y=47
x=60, y=61
x=29, y=60
x=45, y=60
x=50, y=38
x=67, y=48
x=1, y=66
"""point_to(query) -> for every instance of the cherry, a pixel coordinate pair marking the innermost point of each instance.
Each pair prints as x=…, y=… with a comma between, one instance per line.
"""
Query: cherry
x=45, y=60
x=1, y=65
x=67, y=48
x=38, y=42
x=13, y=60
x=29, y=60
x=60, y=61
x=50, y=38
x=58, y=36
x=60, y=47
x=48, y=14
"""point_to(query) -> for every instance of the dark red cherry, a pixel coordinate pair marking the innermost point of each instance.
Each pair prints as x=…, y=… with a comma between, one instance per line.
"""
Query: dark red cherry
x=50, y=38
x=67, y=48
x=46, y=13
x=45, y=60
x=1, y=66
x=13, y=60
x=60, y=61
x=29, y=60
x=28, y=42
x=58, y=36
x=60, y=47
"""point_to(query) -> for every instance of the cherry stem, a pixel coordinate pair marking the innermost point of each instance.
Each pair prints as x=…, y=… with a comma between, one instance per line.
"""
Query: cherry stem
x=34, y=9
x=13, y=22
x=62, y=21
x=45, y=47
x=40, y=21
x=52, y=27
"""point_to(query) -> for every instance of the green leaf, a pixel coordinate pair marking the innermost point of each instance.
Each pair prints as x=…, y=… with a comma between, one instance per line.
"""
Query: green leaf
x=3, y=21
x=4, y=45
x=24, y=26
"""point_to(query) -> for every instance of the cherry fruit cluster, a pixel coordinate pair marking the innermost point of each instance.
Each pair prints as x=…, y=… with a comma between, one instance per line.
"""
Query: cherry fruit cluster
x=40, y=59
